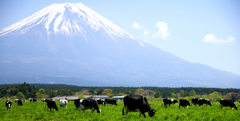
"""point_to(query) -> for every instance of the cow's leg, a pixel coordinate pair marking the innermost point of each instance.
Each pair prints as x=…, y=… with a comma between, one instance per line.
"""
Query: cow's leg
x=123, y=111
x=126, y=109
x=140, y=114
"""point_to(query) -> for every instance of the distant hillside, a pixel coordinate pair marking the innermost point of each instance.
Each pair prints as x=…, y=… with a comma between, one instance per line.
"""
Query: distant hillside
x=198, y=90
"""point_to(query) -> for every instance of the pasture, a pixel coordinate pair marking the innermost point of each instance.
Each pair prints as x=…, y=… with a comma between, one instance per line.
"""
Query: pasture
x=35, y=111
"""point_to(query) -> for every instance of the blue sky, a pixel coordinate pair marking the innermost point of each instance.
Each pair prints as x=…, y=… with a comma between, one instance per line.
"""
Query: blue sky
x=200, y=31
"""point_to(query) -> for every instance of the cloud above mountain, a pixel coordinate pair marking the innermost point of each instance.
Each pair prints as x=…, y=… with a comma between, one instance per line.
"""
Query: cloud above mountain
x=210, y=38
x=162, y=32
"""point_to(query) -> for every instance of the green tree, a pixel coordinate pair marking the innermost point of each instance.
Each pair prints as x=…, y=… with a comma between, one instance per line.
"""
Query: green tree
x=192, y=92
x=139, y=91
x=173, y=95
x=20, y=95
x=182, y=93
x=106, y=91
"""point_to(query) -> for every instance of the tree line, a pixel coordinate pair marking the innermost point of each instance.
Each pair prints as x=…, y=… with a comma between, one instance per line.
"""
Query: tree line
x=153, y=93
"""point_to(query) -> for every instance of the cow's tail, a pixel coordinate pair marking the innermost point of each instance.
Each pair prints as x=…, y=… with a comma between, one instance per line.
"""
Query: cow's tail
x=123, y=111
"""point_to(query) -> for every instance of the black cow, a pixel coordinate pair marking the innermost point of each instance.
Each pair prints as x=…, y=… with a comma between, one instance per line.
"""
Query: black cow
x=168, y=101
x=33, y=99
x=77, y=103
x=194, y=101
x=89, y=104
x=137, y=104
x=227, y=103
x=51, y=104
x=111, y=101
x=8, y=104
x=20, y=103
x=202, y=101
x=101, y=101
x=184, y=103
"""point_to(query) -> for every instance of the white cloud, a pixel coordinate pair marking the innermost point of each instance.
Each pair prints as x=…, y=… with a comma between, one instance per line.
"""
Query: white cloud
x=146, y=32
x=162, y=32
x=136, y=25
x=209, y=38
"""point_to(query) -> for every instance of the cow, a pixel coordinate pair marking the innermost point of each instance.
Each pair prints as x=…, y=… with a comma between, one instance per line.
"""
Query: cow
x=168, y=101
x=33, y=99
x=184, y=103
x=111, y=101
x=51, y=104
x=63, y=102
x=20, y=103
x=16, y=100
x=137, y=104
x=227, y=103
x=202, y=101
x=77, y=103
x=101, y=101
x=89, y=104
x=8, y=104
x=194, y=101
x=43, y=100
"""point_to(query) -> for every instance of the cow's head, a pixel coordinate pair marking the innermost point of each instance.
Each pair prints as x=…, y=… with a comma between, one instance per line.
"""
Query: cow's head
x=151, y=112
x=99, y=110
x=235, y=107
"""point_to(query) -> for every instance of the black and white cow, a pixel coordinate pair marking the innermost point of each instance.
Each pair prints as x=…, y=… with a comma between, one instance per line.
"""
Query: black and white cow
x=16, y=100
x=184, y=103
x=20, y=103
x=89, y=104
x=194, y=101
x=137, y=104
x=51, y=104
x=33, y=99
x=202, y=101
x=101, y=101
x=8, y=104
x=168, y=101
x=77, y=103
x=111, y=101
x=63, y=102
x=227, y=103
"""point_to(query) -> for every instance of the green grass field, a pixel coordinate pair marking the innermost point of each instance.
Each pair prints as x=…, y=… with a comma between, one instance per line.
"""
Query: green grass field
x=35, y=111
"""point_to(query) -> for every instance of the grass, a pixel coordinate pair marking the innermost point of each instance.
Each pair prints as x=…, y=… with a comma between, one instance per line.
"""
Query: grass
x=35, y=111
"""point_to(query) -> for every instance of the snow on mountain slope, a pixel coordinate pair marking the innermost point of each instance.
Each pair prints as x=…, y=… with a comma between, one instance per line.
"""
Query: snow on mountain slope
x=56, y=19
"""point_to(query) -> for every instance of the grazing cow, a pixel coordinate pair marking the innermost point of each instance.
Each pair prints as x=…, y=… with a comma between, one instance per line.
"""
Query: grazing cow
x=63, y=102
x=202, y=101
x=51, y=104
x=20, y=103
x=34, y=100
x=184, y=103
x=194, y=101
x=77, y=103
x=168, y=101
x=43, y=100
x=89, y=104
x=16, y=100
x=111, y=101
x=8, y=104
x=227, y=103
x=101, y=101
x=137, y=104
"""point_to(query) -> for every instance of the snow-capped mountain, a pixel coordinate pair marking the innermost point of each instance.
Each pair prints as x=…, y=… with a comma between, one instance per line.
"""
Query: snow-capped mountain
x=67, y=19
x=72, y=44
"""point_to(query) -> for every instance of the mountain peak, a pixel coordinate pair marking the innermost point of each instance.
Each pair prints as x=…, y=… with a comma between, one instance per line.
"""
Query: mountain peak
x=67, y=19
